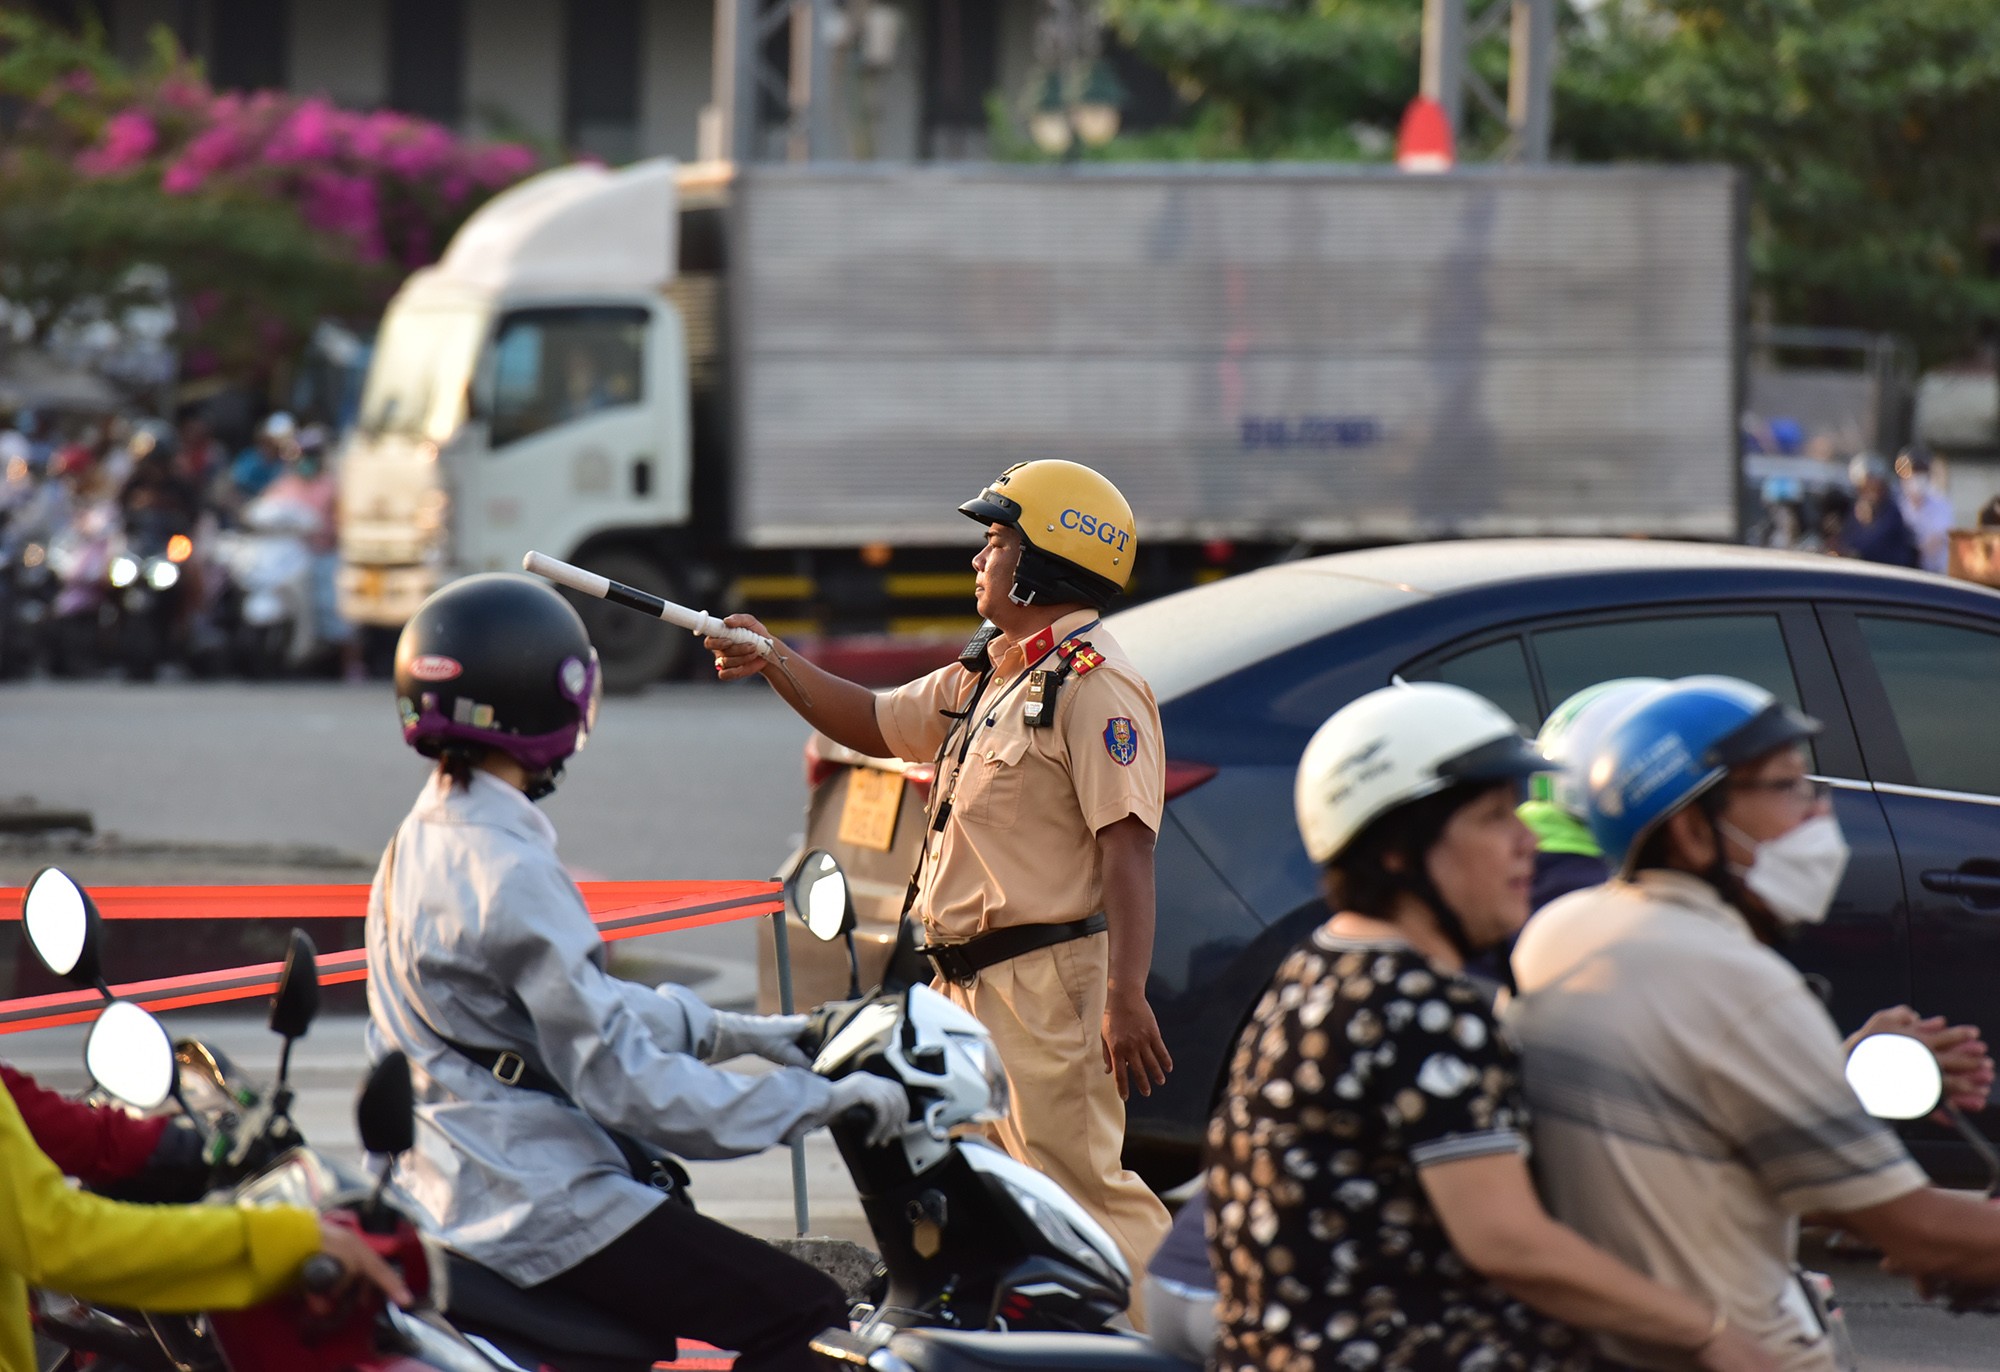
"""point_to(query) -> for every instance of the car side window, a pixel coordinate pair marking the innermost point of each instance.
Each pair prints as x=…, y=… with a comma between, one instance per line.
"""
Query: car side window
x=1935, y=675
x=550, y=367
x=1749, y=646
x=1498, y=671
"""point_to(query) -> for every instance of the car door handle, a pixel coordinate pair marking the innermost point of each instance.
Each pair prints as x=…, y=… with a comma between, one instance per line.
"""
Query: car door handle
x=1964, y=884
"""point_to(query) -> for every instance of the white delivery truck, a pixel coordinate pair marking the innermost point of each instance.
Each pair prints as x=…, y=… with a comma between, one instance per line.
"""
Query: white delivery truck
x=772, y=385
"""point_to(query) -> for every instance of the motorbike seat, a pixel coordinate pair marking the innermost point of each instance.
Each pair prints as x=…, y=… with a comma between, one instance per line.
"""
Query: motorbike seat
x=481, y=1301
x=951, y=1350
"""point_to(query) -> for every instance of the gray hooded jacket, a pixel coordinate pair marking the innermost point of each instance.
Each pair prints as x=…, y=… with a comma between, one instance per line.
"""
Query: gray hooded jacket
x=484, y=937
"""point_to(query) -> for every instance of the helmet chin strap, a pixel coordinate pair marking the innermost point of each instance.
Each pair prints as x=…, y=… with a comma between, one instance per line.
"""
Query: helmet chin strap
x=543, y=783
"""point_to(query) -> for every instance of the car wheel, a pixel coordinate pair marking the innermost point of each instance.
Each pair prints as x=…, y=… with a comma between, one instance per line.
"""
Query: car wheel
x=632, y=649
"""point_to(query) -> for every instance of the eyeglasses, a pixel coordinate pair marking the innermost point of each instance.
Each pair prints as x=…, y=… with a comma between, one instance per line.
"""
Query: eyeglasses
x=1805, y=790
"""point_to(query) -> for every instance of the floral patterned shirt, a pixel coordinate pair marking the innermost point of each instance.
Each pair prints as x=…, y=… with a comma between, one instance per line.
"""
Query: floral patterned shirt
x=1363, y=1064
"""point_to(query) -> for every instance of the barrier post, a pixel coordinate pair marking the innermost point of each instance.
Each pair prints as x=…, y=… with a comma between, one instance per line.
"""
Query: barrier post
x=782, y=940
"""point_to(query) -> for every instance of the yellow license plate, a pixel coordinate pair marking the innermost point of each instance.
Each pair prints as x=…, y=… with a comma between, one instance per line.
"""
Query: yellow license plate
x=868, y=816
x=371, y=583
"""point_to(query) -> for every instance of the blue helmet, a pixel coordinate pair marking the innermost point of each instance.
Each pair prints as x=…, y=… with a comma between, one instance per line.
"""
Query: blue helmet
x=1673, y=746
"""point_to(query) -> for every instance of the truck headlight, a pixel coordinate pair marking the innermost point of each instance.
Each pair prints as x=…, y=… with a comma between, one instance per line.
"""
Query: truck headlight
x=124, y=571
x=162, y=575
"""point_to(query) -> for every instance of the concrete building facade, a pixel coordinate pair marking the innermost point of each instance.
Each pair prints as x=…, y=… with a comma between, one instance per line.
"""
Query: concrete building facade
x=615, y=78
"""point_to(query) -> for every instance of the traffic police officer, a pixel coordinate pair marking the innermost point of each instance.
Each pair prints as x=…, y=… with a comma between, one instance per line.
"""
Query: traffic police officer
x=1035, y=888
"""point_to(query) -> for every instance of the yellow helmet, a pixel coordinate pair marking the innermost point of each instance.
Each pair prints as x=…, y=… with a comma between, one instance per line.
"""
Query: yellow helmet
x=1077, y=531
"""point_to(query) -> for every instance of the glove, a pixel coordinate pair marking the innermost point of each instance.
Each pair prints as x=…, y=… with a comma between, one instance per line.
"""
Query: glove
x=886, y=1102
x=775, y=1038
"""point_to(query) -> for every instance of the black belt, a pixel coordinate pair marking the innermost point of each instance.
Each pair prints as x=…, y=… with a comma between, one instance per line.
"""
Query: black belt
x=963, y=962
x=649, y=1164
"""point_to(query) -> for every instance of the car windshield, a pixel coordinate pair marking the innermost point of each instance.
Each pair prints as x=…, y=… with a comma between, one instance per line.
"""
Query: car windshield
x=423, y=359
x=1183, y=642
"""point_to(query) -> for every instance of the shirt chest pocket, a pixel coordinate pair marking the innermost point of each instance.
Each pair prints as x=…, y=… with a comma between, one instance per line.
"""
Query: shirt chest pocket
x=989, y=796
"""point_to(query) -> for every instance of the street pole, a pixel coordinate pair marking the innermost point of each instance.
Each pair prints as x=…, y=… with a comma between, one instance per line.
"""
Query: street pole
x=1531, y=55
x=1441, y=75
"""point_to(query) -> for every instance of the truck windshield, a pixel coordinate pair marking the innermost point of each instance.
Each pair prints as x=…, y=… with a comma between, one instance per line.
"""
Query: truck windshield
x=423, y=360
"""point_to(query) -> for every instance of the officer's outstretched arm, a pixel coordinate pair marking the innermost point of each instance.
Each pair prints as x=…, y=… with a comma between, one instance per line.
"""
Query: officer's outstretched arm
x=841, y=709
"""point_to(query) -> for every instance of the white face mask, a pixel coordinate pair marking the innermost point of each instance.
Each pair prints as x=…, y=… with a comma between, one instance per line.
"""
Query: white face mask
x=1796, y=873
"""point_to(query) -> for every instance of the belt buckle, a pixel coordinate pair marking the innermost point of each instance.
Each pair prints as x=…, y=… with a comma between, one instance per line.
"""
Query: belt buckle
x=509, y=1068
x=951, y=964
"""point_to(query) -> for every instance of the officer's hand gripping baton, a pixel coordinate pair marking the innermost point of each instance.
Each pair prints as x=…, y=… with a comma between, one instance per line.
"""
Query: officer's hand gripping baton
x=700, y=623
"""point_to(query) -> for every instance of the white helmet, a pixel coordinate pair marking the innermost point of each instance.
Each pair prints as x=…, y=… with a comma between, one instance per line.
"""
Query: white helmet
x=1570, y=736
x=1397, y=745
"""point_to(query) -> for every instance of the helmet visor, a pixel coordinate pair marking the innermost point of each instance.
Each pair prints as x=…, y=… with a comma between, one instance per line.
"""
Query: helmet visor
x=1507, y=758
x=990, y=507
x=1765, y=732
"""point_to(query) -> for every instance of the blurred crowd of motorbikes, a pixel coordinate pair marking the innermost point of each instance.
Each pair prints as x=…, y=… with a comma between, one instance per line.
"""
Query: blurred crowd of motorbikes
x=128, y=545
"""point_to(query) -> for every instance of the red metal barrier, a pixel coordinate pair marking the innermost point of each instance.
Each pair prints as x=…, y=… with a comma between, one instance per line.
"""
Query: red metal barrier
x=621, y=909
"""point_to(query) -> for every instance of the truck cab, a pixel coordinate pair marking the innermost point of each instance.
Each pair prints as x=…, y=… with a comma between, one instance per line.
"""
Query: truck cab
x=532, y=390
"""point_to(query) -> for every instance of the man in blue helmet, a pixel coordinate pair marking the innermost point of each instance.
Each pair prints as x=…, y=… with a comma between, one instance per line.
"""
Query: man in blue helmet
x=1686, y=1085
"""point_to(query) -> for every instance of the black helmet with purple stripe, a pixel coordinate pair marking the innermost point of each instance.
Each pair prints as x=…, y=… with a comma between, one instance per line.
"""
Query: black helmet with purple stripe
x=498, y=661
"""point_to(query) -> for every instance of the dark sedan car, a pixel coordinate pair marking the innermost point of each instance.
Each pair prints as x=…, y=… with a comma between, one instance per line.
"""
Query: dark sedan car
x=1903, y=668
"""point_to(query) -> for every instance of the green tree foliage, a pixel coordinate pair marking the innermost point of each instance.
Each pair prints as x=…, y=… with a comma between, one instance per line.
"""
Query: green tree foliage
x=265, y=212
x=1284, y=80
x=1869, y=130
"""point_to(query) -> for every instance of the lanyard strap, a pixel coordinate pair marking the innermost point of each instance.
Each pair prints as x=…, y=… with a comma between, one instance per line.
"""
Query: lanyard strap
x=940, y=811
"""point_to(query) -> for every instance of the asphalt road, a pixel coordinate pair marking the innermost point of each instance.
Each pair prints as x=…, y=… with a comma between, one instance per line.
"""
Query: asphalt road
x=686, y=781
x=689, y=781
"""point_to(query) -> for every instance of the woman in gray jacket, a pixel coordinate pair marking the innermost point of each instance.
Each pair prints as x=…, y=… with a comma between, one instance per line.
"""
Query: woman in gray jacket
x=529, y=1058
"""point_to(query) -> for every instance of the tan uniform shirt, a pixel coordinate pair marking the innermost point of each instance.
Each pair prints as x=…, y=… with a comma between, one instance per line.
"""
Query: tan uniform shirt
x=1689, y=1104
x=1020, y=846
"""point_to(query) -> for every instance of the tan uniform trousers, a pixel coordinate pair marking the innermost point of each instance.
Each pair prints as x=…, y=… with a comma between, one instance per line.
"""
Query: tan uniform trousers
x=1045, y=1010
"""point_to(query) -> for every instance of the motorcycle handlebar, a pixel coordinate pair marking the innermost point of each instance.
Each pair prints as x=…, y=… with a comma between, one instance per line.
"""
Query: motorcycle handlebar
x=321, y=1274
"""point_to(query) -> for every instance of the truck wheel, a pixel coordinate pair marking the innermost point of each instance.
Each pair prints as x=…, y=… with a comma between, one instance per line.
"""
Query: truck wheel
x=633, y=649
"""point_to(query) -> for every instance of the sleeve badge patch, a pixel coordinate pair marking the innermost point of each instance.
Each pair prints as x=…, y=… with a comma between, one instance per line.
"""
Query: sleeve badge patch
x=1121, y=740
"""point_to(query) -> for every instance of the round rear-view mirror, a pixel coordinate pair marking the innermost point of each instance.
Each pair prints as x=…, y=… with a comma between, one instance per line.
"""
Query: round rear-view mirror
x=61, y=923
x=816, y=893
x=1896, y=1077
x=129, y=1054
x=386, y=1110
x=296, y=1003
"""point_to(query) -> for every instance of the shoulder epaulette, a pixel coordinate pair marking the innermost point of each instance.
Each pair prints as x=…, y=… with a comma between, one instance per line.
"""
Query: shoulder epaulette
x=1079, y=656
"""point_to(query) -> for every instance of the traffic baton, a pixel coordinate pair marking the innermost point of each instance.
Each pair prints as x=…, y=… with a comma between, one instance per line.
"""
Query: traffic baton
x=700, y=623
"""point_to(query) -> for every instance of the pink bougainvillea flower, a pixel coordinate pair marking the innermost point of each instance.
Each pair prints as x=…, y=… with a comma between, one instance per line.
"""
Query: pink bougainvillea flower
x=183, y=93
x=376, y=132
x=128, y=137
x=348, y=206
x=309, y=134
x=183, y=178
x=423, y=151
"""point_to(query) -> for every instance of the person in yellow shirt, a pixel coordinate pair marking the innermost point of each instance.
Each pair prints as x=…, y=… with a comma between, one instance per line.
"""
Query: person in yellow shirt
x=150, y=1257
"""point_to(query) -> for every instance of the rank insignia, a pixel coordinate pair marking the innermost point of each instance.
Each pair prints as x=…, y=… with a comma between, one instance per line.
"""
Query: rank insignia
x=1121, y=740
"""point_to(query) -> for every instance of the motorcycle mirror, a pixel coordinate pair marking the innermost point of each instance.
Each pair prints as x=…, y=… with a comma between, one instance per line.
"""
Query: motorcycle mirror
x=61, y=922
x=386, y=1111
x=816, y=894
x=129, y=1054
x=1896, y=1077
x=296, y=1003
